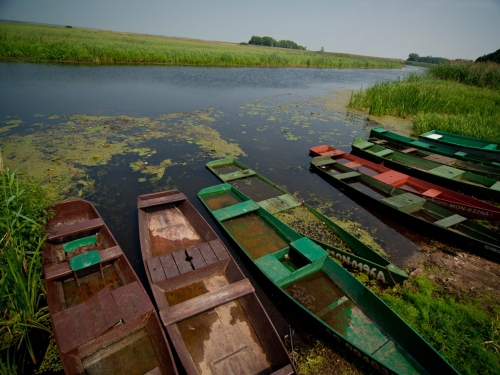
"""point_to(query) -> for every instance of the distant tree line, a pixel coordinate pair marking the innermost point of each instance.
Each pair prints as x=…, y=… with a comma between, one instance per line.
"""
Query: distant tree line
x=494, y=56
x=428, y=59
x=271, y=42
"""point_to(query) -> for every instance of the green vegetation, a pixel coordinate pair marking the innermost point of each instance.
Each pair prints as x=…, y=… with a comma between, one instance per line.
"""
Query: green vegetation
x=22, y=294
x=466, y=332
x=436, y=100
x=270, y=42
x=52, y=43
x=494, y=57
x=427, y=59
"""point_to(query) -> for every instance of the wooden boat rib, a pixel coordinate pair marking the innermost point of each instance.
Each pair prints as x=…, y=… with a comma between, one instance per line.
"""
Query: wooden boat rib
x=275, y=199
x=466, y=206
x=212, y=315
x=321, y=293
x=443, y=175
x=486, y=149
x=406, y=207
x=102, y=318
x=422, y=149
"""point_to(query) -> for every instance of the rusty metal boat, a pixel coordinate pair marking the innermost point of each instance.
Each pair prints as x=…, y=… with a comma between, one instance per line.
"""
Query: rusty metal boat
x=102, y=318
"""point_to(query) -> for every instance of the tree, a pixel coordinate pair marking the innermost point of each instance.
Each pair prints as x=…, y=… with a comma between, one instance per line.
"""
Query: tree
x=413, y=57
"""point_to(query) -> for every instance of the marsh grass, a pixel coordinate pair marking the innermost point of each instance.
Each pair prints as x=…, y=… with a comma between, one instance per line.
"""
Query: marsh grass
x=22, y=294
x=53, y=43
x=435, y=104
x=464, y=332
x=485, y=74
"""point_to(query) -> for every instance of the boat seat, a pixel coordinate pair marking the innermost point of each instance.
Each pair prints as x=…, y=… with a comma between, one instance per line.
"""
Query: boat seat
x=380, y=142
x=447, y=172
x=383, y=153
x=72, y=245
x=450, y=221
x=408, y=150
x=431, y=193
x=65, y=230
x=85, y=260
x=320, y=161
x=406, y=202
x=492, y=146
x=332, y=153
x=161, y=200
x=307, y=248
x=461, y=153
x=420, y=144
x=237, y=175
x=343, y=176
x=278, y=204
x=331, y=306
x=495, y=186
x=392, y=178
x=272, y=267
x=235, y=210
x=352, y=164
x=363, y=145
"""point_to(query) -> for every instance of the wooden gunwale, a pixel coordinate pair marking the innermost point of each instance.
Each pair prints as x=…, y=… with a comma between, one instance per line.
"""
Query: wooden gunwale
x=449, y=199
x=465, y=234
x=484, y=148
x=465, y=160
x=355, y=291
x=466, y=182
x=361, y=253
x=70, y=221
x=216, y=264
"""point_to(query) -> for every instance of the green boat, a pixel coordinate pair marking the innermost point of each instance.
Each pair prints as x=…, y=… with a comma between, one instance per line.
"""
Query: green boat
x=422, y=149
x=422, y=215
x=354, y=254
x=319, y=291
x=480, y=147
x=427, y=170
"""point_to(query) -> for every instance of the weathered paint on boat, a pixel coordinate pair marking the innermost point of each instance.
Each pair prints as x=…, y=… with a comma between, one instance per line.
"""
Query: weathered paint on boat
x=213, y=317
x=422, y=149
x=466, y=206
x=323, y=293
x=278, y=200
x=443, y=175
x=103, y=320
x=406, y=207
x=486, y=149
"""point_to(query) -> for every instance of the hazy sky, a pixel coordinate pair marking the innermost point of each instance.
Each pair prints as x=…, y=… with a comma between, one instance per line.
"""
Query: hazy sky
x=388, y=28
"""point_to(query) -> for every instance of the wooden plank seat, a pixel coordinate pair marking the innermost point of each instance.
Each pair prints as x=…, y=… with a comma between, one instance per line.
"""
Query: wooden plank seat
x=83, y=322
x=83, y=226
x=441, y=159
x=170, y=265
x=85, y=241
x=237, y=175
x=132, y=301
x=85, y=260
x=161, y=200
x=308, y=249
x=346, y=175
x=352, y=164
x=408, y=150
x=383, y=153
x=380, y=141
x=447, y=172
x=205, y=302
x=63, y=269
x=492, y=146
x=406, y=202
x=235, y=210
x=431, y=193
x=331, y=153
x=450, y=221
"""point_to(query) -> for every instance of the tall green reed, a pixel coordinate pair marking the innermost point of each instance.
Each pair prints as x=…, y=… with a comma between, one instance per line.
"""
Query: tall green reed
x=22, y=293
x=476, y=74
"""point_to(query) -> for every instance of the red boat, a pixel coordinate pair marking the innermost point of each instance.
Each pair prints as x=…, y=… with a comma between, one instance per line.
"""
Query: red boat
x=464, y=205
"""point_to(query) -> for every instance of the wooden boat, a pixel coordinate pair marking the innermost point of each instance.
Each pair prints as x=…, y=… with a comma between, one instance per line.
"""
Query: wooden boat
x=402, y=206
x=452, y=178
x=481, y=147
x=275, y=200
x=103, y=320
x=424, y=150
x=461, y=204
x=319, y=292
x=213, y=317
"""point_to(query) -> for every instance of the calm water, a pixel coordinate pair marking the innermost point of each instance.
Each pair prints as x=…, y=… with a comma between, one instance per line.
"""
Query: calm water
x=276, y=136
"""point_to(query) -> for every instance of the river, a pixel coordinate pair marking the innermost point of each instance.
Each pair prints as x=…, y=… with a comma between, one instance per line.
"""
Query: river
x=111, y=133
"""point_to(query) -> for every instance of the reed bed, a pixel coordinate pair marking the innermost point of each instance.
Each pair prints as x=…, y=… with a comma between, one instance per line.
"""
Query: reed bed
x=52, y=43
x=22, y=294
x=483, y=74
x=435, y=104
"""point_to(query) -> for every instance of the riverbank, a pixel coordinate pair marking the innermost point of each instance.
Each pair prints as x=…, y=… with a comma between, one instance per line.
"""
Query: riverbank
x=458, y=98
x=34, y=42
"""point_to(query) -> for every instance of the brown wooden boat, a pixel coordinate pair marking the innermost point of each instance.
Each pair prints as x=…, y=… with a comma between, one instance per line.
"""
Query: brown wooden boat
x=213, y=317
x=103, y=320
